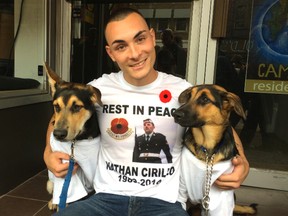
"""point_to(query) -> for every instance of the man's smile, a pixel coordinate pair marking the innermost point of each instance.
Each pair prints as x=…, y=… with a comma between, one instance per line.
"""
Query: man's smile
x=138, y=64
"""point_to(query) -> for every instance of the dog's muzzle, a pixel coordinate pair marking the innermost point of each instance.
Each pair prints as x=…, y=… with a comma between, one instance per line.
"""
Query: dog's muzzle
x=60, y=134
x=186, y=118
x=182, y=118
x=178, y=116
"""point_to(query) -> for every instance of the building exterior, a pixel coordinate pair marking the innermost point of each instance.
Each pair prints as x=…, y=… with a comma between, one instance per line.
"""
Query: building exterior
x=69, y=36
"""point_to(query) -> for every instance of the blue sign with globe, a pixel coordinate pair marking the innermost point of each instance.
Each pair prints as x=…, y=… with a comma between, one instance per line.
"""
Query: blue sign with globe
x=267, y=70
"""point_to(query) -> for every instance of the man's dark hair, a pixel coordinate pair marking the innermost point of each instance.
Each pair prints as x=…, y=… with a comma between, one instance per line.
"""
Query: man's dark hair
x=120, y=14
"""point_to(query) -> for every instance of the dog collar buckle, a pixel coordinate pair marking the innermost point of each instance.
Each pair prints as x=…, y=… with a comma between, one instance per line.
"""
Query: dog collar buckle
x=203, y=149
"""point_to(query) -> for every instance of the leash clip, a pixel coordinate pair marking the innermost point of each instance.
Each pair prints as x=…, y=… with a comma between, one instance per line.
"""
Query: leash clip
x=65, y=187
x=72, y=149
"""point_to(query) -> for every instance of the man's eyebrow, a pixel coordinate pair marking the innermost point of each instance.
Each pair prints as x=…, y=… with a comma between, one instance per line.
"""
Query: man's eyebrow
x=122, y=41
x=139, y=33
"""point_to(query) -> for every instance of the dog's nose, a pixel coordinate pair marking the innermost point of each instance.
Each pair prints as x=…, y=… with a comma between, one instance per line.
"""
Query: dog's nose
x=177, y=115
x=60, y=134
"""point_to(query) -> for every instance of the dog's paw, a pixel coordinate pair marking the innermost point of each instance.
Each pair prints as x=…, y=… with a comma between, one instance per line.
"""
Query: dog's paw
x=245, y=210
x=50, y=186
x=52, y=207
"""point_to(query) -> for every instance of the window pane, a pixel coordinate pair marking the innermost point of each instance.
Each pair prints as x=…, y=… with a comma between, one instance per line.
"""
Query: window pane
x=162, y=24
x=22, y=44
x=182, y=24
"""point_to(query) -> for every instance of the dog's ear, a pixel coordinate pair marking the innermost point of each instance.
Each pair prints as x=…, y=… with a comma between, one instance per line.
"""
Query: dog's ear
x=96, y=96
x=236, y=104
x=53, y=78
x=185, y=95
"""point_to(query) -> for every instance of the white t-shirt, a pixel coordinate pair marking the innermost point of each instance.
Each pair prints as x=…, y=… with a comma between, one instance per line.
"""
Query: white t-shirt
x=85, y=152
x=121, y=119
x=192, y=184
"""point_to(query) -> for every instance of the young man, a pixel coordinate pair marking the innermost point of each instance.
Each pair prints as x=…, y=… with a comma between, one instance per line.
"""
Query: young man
x=137, y=92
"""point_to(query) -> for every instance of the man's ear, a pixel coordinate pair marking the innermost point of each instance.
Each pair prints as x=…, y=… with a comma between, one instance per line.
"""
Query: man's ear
x=152, y=32
x=108, y=50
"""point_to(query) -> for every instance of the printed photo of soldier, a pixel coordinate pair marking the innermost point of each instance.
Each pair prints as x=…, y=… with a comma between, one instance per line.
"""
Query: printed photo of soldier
x=150, y=146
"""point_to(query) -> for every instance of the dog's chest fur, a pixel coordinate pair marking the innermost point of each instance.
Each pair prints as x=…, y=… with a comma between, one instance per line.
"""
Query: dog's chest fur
x=224, y=150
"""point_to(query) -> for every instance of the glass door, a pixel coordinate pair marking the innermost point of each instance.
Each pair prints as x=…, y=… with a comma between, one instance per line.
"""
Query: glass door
x=252, y=62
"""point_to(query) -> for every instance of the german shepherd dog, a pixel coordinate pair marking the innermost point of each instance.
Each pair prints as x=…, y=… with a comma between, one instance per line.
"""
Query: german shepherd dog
x=75, y=119
x=205, y=111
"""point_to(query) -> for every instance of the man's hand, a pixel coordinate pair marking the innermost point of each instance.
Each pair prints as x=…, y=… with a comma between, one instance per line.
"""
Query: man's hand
x=54, y=163
x=241, y=169
x=236, y=178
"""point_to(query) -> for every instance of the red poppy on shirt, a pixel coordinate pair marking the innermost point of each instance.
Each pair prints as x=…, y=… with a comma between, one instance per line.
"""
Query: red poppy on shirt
x=165, y=96
x=119, y=126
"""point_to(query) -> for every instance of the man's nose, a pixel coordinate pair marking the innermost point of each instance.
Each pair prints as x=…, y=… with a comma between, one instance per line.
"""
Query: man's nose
x=134, y=51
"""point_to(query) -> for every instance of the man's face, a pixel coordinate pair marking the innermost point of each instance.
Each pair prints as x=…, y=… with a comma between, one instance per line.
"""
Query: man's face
x=148, y=127
x=131, y=44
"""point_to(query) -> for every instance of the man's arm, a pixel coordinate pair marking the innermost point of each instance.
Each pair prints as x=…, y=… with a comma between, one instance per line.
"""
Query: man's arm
x=241, y=169
x=52, y=159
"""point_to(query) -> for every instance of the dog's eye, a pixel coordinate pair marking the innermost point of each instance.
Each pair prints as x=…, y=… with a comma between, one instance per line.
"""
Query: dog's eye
x=76, y=108
x=57, y=108
x=204, y=100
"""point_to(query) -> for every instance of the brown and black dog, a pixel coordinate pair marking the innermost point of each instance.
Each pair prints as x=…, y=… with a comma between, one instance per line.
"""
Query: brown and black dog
x=75, y=120
x=205, y=111
x=74, y=108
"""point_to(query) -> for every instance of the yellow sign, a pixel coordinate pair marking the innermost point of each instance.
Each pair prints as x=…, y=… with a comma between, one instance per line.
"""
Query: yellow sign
x=266, y=86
